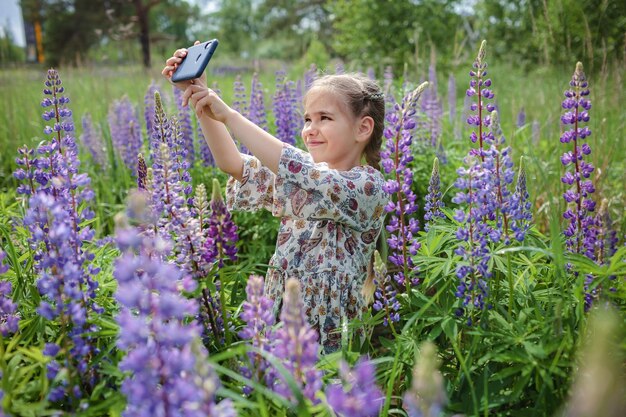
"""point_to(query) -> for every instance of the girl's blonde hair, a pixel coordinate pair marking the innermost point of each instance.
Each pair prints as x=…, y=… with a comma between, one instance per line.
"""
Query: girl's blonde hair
x=363, y=97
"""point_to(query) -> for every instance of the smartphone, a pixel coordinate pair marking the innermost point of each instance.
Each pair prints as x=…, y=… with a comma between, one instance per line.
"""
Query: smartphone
x=198, y=56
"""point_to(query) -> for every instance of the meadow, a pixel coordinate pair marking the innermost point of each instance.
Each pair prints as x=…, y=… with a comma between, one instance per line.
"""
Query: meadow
x=129, y=289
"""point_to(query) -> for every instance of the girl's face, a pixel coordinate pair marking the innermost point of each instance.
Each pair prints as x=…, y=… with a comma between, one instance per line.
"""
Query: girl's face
x=331, y=133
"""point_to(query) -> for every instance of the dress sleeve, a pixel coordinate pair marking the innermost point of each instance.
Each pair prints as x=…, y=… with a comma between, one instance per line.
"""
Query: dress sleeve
x=313, y=191
x=254, y=191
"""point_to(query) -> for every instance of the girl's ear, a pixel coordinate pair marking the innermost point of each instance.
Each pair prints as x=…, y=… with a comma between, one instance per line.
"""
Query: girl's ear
x=365, y=129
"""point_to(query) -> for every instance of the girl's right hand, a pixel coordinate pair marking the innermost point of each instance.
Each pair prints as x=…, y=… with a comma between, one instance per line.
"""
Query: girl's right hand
x=172, y=63
x=205, y=101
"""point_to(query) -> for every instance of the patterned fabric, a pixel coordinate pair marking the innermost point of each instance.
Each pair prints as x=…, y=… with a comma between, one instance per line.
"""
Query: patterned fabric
x=330, y=221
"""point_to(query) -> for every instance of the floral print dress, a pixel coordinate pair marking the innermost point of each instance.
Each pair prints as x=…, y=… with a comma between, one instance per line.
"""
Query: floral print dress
x=330, y=221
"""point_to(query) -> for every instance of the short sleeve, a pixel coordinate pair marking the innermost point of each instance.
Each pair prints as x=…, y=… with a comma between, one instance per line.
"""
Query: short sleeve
x=313, y=191
x=254, y=191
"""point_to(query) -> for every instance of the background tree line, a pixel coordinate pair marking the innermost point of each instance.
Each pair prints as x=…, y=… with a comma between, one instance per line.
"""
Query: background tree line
x=395, y=32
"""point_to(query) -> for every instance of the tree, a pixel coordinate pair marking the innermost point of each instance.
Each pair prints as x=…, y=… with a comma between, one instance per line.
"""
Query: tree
x=371, y=31
x=554, y=32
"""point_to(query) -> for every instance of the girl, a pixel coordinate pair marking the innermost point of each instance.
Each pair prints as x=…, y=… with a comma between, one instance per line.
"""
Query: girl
x=329, y=201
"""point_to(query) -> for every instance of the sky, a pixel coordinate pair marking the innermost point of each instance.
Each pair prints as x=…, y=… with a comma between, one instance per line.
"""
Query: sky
x=11, y=20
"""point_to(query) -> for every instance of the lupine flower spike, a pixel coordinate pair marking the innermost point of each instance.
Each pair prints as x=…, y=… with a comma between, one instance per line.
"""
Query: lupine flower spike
x=358, y=395
x=521, y=212
x=433, y=204
x=9, y=316
x=257, y=313
x=479, y=88
x=581, y=230
x=56, y=210
x=185, y=128
x=125, y=131
x=92, y=139
x=167, y=371
x=285, y=110
x=296, y=346
x=427, y=395
x=256, y=110
x=578, y=172
x=385, y=295
x=396, y=156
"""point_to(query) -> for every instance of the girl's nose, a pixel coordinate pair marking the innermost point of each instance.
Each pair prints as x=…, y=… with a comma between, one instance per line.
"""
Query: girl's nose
x=309, y=130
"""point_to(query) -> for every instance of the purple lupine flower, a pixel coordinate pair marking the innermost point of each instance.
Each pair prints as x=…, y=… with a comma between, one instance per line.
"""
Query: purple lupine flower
x=30, y=174
x=149, y=106
x=166, y=132
x=358, y=395
x=579, y=238
x=285, y=110
x=188, y=227
x=185, y=129
x=256, y=109
x=257, y=313
x=480, y=88
x=125, y=131
x=9, y=316
x=390, y=100
x=521, y=206
x=452, y=99
x=433, y=204
x=474, y=233
x=339, y=68
x=521, y=118
x=536, y=133
x=606, y=239
x=309, y=76
x=222, y=233
x=57, y=209
x=205, y=153
x=92, y=139
x=296, y=347
x=240, y=104
x=385, y=294
x=432, y=108
x=497, y=161
x=142, y=172
x=67, y=290
x=168, y=374
x=210, y=313
x=395, y=159
x=427, y=394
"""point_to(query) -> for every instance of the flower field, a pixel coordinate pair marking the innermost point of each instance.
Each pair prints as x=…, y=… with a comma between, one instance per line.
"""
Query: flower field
x=127, y=288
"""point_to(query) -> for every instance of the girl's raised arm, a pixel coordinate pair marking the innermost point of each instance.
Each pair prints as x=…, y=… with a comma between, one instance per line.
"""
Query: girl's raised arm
x=225, y=152
x=211, y=109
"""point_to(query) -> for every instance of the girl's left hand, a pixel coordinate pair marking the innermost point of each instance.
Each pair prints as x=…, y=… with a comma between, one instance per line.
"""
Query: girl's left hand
x=206, y=101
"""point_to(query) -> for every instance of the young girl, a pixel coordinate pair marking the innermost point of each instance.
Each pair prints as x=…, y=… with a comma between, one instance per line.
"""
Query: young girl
x=329, y=201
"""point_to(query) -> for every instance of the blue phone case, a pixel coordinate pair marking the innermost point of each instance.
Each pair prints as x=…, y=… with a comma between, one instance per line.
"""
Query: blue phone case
x=198, y=56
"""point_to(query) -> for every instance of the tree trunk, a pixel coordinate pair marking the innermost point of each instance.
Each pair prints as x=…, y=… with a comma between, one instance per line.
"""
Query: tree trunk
x=144, y=29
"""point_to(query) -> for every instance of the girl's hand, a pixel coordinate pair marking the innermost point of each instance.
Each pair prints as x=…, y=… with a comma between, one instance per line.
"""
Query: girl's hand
x=172, y=63
x=206, y=101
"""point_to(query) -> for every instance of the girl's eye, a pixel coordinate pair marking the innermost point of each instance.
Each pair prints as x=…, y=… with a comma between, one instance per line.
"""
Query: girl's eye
x=307, y=120
x=325, y=118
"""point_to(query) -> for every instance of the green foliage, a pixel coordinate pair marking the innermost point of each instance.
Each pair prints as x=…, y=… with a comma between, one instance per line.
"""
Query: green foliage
x=555, y=32
x=10, y=53
x=407, y=26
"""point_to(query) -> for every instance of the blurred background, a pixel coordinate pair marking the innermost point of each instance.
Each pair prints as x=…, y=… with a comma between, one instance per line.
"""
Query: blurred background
x=402, y=33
